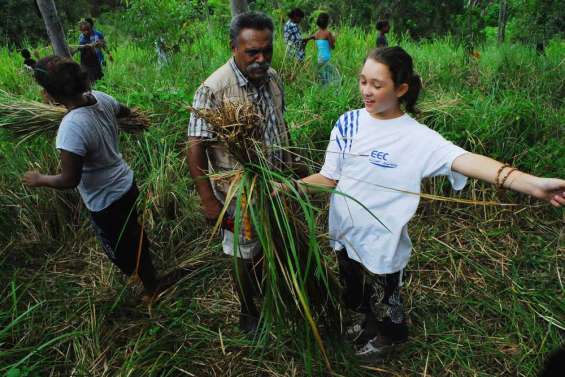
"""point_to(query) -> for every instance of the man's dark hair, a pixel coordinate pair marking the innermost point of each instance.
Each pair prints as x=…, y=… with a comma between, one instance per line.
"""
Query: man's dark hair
x=25, y=53
x=323, y=20
x=249, y=20
x=90, y=21
x=296, y=12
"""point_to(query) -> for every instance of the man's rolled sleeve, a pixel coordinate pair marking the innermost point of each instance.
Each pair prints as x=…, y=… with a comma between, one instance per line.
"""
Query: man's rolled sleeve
x=198, y=127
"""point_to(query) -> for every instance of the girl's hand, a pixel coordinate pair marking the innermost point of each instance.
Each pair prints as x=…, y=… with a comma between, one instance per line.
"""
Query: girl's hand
x=32, y=178
x=551, y=190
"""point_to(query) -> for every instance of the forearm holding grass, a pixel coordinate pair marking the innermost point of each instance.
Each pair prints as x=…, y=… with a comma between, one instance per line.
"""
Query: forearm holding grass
x=316, y=182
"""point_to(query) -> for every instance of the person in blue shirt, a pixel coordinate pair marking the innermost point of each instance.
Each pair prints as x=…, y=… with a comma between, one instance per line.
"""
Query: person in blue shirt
x=383, y=27
x=89, y=35
x=91, y=43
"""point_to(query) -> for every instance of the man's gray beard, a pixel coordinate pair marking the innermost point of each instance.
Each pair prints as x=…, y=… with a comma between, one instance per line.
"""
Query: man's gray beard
x=258, y=66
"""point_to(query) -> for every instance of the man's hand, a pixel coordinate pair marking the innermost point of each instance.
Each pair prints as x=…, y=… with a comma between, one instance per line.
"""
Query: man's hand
x=32, y=178
x=211, y=210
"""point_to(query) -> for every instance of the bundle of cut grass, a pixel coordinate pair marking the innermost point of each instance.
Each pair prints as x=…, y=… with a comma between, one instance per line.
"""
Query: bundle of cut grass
x=298, y=287
x=238, y=127
x=137, y=121
x=26, y=118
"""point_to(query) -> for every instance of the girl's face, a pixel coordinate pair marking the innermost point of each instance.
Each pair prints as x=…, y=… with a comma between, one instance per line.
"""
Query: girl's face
x=86, y=30
x=380, y=96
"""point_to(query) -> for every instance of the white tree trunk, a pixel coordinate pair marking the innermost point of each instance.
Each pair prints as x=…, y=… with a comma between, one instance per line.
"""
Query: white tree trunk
x=238, y=6
x=54, y=27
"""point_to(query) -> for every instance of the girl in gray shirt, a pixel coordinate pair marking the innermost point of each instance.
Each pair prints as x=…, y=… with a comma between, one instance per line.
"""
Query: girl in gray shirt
x=91, y=160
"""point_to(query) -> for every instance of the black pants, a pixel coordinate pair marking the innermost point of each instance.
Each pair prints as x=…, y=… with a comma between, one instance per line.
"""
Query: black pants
x=376, y=296
x=120, y=233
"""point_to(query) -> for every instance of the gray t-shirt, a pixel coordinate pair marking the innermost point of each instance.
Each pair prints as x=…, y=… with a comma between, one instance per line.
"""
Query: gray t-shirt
x=92, y=132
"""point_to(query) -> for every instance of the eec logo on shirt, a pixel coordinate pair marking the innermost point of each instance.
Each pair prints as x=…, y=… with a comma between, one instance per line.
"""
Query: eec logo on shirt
x=381, y=159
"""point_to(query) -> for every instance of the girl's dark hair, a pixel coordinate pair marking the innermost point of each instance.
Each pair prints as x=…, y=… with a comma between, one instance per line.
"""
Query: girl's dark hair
x=25, y=53
x=61, y=77
x=323, y=20
x=402, y=71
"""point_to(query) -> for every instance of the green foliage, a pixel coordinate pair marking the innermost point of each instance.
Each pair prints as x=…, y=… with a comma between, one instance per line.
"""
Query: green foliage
x=481, y=280
x=536, y=21
x=173, y=20
x=22, y=22
x=152, y=19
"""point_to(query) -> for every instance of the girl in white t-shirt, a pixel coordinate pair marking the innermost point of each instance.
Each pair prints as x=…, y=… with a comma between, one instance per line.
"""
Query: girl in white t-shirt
x=373, y=153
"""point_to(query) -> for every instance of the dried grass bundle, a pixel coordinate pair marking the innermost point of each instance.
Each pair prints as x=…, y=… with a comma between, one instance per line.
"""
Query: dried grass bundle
x=26, y=118
x=238, y=126
x=138, y=121
x=297, y=284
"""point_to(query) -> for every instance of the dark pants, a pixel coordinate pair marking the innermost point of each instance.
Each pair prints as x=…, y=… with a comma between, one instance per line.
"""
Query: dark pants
x=120, y=233
x=376, y=296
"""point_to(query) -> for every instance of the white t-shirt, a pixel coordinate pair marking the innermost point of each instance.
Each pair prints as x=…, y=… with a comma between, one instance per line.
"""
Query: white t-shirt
x=92, y=132
x=369, y=157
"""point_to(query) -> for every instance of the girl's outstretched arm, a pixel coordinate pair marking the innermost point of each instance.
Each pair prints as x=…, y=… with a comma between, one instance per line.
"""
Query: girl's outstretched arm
x=71, y=173
x=486, y=169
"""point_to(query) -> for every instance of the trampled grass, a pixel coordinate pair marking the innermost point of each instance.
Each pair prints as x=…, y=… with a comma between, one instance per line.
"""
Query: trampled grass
x=484, y=288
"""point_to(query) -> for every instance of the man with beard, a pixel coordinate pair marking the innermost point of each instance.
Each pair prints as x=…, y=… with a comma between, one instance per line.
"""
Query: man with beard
x=247, y=76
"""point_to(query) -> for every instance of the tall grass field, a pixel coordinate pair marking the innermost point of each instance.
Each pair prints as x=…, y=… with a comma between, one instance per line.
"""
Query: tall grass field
x=484, y=289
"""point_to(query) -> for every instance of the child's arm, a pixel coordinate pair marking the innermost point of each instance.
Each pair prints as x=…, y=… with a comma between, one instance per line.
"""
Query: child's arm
x=316, y=181
x=485, y=168
x=332, y=40
x=104, y=47
x=101, y=42
x=123, y=112
x=71, y=173
x=308, y=38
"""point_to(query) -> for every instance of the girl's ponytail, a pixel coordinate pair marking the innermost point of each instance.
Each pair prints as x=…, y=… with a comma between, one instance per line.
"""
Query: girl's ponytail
x=411, y=97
